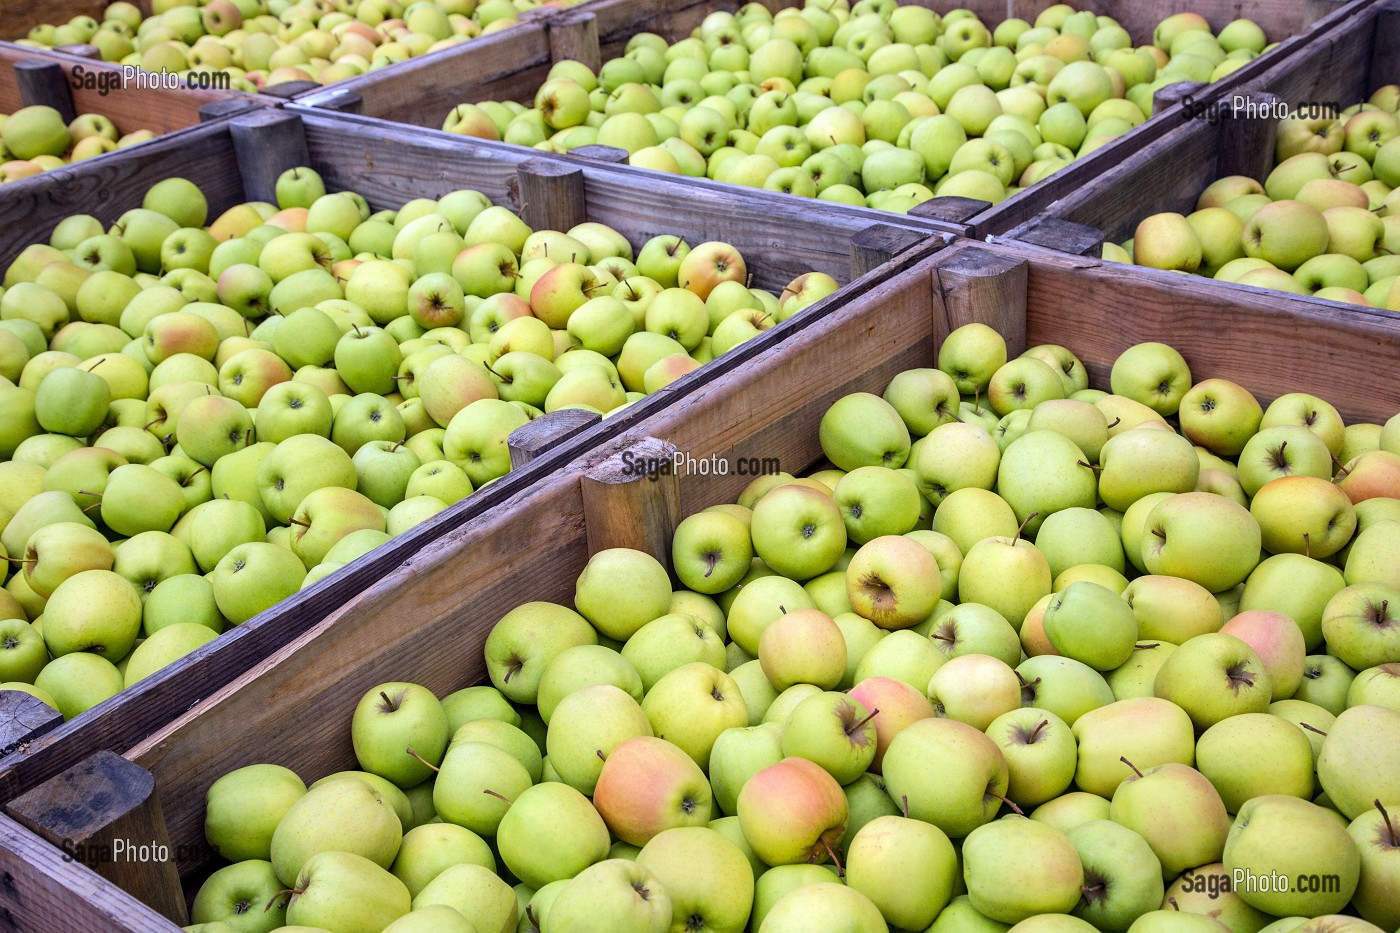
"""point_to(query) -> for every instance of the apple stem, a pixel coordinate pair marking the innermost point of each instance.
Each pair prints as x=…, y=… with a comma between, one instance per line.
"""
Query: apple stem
x=1006, y=800
x=530, y=915
x=1393, y=839
x=1124, y=759
x=95, y=365
x=1175, y=905
x=601, y=757
x=858, y=726
x=840, y=869
x=1147, y=645
x=289, y=892
x=1036, y=731
x=1342, y=471
x=147, y=425
x=498, y=796
x=1114, y=423
x=356, y=328
x=1307, y=544
x=1023, y=527
x=1311, y=728
x=296, y=521
x=21, y=560
x=1088, y=466
x=904, y=804
x=425, y=761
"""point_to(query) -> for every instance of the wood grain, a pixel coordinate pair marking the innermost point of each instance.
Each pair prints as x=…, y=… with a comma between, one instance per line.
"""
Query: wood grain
x=632, y=499
x=104, y=812
x=23, y=718
x=551, y=194
x=982, y=286
x=530, y=440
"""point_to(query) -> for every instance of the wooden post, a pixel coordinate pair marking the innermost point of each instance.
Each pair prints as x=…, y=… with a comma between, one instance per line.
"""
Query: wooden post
x=977, y=285
x=1247, y=141
x=23, y=718
x=1387, y=44
x=609, y=154
x=267, y=142
x=1173, y=94
x=1063, y=236
x=551, y=195
x=632, y=498
x=44, y=83
x=573, y=36
x=535, y=438
x=104, y=813
x=951, y=209
x=878, y=244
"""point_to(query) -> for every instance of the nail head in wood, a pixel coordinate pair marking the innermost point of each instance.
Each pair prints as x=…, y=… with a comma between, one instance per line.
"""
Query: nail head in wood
x=878, y=244
x=45, y=84
x=101, y=812
x=978, y=285
x=537, y=437
x=609, y=154
x=551, y=194
x=24, y=718
x=267, y=142
x=573, y=36
x=632, y=499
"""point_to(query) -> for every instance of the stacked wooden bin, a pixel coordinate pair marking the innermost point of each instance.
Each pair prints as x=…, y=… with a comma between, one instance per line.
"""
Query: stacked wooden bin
x=281, y=687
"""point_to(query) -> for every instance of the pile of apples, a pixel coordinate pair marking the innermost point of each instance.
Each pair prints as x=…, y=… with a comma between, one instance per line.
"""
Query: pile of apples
x=35, y=139
x=196, y=422
x=261, y=43
x=1325, y=222
x=1029, y=656
x=875, y=104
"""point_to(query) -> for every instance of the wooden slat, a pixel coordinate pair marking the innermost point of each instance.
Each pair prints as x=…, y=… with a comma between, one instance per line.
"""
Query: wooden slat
x=42, y=890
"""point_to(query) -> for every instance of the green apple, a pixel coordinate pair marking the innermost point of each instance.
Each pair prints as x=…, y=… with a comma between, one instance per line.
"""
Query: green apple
x=1213, y=677
x=1091, y=623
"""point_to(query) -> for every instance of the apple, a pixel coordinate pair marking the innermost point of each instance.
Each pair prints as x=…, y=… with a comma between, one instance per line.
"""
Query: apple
x=881, y=855
x=952, y=775
x=648, y=785
x=792, y=812
x=1042, y=852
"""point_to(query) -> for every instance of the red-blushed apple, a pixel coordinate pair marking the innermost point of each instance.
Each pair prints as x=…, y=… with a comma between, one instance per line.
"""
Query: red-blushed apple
x=899, y=705
x=1375, y=474
x=1303, y=515
x=805, y=646
x=709, y=264
x=1279, y=643
x=792, y=812
x=1178, y=811
x=893, y=581
x=648, y=785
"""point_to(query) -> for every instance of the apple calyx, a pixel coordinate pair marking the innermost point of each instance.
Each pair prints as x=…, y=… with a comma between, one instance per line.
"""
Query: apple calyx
x=1238, y=676
x=1017, y=540
x=1124, y=759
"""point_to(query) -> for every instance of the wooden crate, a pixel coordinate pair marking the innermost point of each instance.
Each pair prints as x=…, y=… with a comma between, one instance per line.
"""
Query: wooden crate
x=239, y=159
x=423, y=92
x=427, y=622
x=1342, y=65
x=28, y=78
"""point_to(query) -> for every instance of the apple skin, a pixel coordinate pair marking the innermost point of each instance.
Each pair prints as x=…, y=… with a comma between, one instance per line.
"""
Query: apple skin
x=916, y=766
x=792, y=812
x=899, y=705
x=884, y=850
x=1279, y=643
x=648, y=785
x=1233, y=534
x=1214, y=677
x=1178, y=811
x=1269, y=836
x=1042, y=852
x=1146, y=730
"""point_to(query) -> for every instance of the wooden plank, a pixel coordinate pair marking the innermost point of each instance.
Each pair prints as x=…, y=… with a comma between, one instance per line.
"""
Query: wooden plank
x=266, y=144
x=42, y=890
x=105, y=814
x=981, y=286
x=531, y=440
x=24, y=718
x=573, y=36
x=551, y=195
